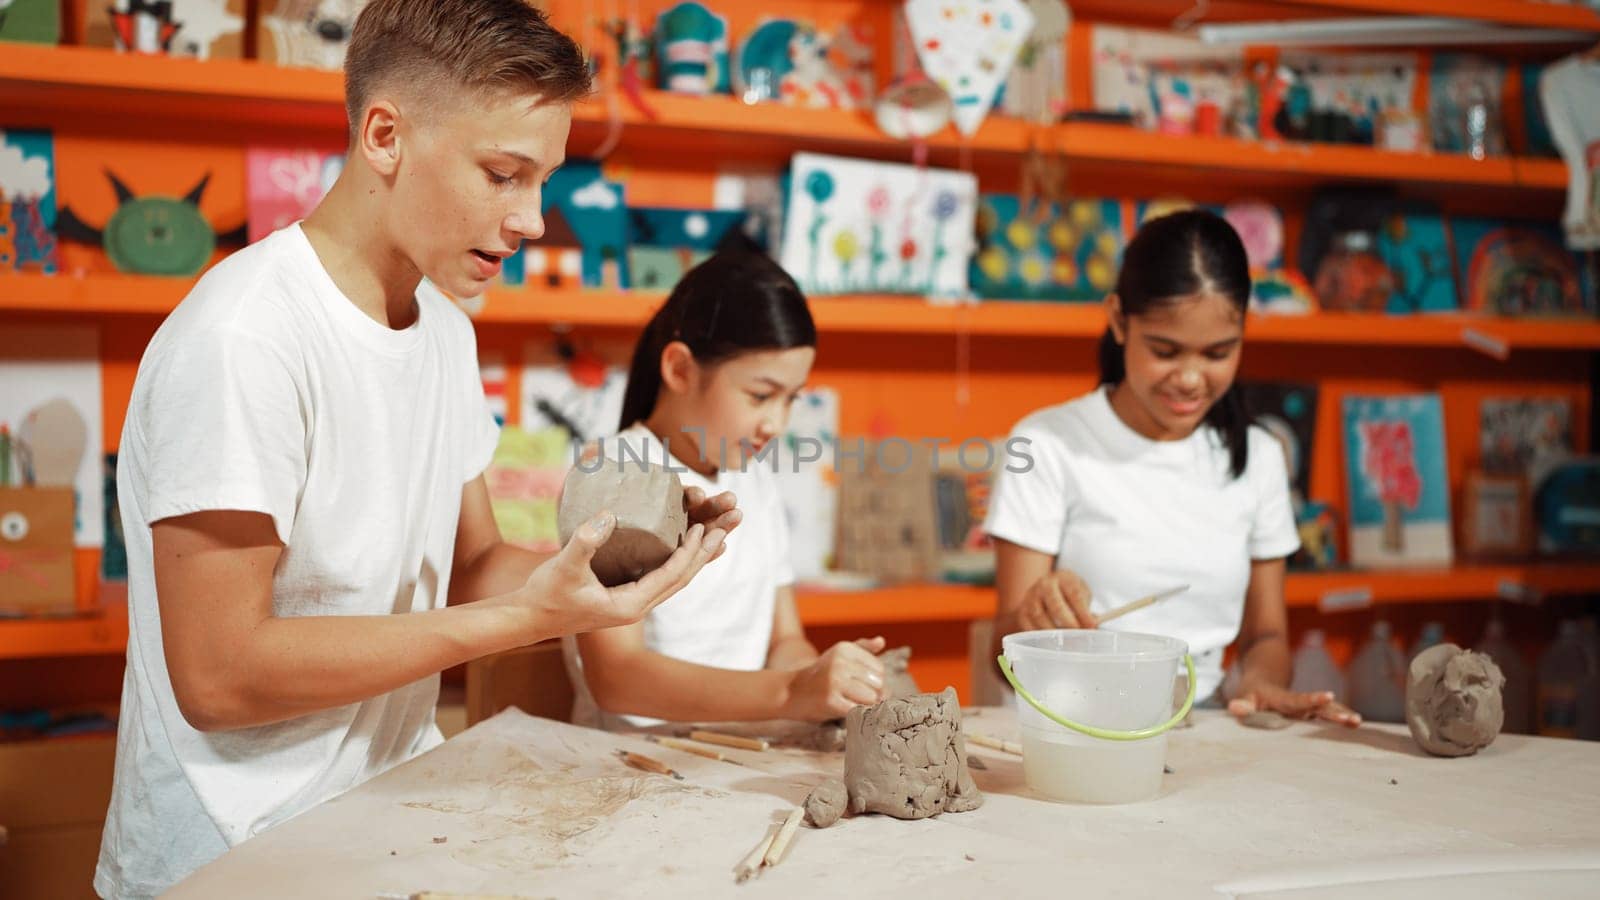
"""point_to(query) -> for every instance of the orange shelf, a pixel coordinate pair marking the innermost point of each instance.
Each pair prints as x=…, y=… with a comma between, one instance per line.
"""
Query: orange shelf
x=97, y=635
x=1338, y=590
x=112, y=294
x=48, y=81
x=1307, y=163
x=1526, y=13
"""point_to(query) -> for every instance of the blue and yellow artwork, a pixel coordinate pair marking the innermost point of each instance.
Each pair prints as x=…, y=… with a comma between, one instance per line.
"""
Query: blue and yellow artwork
x=1058, y=252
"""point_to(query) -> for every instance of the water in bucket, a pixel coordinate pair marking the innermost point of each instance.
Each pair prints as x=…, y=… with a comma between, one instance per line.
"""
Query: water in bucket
x=1108, y=681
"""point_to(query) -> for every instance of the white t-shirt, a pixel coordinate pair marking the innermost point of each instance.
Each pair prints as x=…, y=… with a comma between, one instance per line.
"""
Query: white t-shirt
x=1132, y=516
x=723, y=617
x=1570, y=92
x=268, y=390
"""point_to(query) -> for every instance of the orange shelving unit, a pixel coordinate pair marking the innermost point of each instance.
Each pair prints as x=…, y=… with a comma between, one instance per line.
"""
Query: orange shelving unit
x=52, y=81
x=105, y=632
x=867, y=314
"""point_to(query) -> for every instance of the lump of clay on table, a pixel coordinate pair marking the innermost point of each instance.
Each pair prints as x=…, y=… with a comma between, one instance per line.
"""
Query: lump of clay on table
x=647, y=501
x=1453, y=700
x=826, y=802
x=1266, y=718
x=905, y=757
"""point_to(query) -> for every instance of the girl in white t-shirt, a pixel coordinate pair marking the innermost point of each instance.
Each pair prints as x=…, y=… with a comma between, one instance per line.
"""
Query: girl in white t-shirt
x=711, y=384
x=1157, y=479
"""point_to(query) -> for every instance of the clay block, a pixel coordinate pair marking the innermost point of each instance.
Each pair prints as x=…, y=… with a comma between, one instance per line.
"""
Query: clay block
x=647, y=500
x=1453, y=700
x=905, y=757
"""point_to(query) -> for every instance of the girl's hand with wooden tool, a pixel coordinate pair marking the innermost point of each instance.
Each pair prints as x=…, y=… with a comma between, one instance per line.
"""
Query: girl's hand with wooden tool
x=1060, y=599
x=848, y=674
x=563, y=596
x=1292, y=704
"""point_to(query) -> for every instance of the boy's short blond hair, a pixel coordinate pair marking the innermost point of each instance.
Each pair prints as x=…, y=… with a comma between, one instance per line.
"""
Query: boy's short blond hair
x=476, y=45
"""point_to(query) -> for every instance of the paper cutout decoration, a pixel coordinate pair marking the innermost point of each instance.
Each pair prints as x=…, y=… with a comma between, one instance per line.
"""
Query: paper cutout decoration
x=150, y=235
x=31, y=21
x=311, y=34
x=199, y=29
x=1416, y=248
x=1516, y=268
x=968, y=49
x=692, y=50
x=50, y=401
x=585, y=240
x=1399, y=495
x=1056, y=252
x=789, y=60
x=1037, y=87
x=27, y=202
x=284, y=186
x=860, y=226
x=665, y=243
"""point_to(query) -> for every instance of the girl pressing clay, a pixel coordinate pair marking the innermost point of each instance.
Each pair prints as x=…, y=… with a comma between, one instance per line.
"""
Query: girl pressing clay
x=1157, y=478
x=711, y=384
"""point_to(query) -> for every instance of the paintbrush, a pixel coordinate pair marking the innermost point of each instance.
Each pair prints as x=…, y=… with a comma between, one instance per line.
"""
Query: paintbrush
x=1141, y=603
x=646, y=764
x=684, y=746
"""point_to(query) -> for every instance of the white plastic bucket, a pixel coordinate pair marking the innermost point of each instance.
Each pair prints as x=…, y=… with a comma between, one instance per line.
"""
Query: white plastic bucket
x=1095, y=708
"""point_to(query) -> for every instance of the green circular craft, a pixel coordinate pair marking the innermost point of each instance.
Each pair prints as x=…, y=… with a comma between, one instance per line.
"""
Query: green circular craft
x=159, y=236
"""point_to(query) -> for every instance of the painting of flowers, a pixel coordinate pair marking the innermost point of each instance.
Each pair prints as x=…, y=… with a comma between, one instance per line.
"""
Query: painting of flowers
x=857, y=226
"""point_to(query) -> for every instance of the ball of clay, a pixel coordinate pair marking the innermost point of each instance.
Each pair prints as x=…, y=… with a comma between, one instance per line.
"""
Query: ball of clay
x=647, y=501
x=905, y=757
x=1453, y=700
x=825, y=804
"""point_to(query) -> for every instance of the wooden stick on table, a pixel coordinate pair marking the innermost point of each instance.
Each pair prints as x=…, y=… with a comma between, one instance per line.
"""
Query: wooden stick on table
x=780, y=844
x=994, y=743
x=729, y=740
x=752, y=860
x=645, y=763
x=1141, y=603
x=673, y=743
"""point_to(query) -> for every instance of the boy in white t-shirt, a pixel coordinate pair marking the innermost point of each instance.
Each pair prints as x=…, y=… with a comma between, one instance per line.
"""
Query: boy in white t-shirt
x=1157, y=479
x=301, y=468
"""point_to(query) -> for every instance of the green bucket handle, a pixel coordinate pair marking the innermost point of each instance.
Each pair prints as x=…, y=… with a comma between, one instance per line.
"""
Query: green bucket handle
x=1103, y=733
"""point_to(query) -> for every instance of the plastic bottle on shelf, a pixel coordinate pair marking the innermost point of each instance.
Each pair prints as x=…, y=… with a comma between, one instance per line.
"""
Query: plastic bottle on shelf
x=1377, y=677
x=1517, y=696
x=1314, y=669
x=1562, y=671
x=1432, y=633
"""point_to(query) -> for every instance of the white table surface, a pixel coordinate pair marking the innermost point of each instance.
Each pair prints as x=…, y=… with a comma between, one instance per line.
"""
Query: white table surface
x=534, y=808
